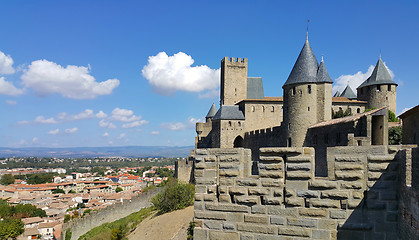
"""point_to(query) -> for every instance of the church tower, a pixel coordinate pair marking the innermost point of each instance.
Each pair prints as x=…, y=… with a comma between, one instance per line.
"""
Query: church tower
x=307, y=97
x=379, y=89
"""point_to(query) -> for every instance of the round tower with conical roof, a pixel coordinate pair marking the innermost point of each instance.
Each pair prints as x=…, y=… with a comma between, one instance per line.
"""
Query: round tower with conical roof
x=379, y=89
x=307, y=97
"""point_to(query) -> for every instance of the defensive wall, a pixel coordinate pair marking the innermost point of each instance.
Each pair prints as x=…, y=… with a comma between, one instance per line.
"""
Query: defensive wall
x=370, y=192
x=184, y=170
x=80, y=226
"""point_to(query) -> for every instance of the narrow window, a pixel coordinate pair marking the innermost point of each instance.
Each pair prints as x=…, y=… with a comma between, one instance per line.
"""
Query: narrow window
x=350, y=110
x=253, y=108
x=239, y=123
x=309, y=89
x=293, y=91
x=378, y=88
x=308, y=109
x=229, y=123
x=289, y=126
x=273, y=109
x=358, y=110
x=263, y=108
x=289, y=142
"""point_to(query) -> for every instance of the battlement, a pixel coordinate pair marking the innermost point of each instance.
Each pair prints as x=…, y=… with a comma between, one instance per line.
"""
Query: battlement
x=237, y=61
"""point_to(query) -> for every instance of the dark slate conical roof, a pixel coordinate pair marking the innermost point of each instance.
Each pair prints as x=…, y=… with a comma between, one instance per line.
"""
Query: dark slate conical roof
x=212, y=111
x=305, y=68
x=337, y=94
x=348, y=93
x=380, y=75
x=322, y=74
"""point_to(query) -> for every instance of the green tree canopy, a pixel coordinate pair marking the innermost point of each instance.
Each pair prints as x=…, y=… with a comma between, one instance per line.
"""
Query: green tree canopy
x=7, y=179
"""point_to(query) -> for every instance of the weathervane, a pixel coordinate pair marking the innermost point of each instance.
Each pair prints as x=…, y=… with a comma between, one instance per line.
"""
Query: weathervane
x=308, y=20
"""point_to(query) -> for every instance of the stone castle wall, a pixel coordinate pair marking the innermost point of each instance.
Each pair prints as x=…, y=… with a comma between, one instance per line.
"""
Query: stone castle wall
x=379, y=95
x=359, y=199
x=80, y=226
x=233, y=80
x=184, y=170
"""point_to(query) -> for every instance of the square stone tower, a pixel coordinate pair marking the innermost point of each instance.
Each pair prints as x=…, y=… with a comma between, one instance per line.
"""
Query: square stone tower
x=233, y=80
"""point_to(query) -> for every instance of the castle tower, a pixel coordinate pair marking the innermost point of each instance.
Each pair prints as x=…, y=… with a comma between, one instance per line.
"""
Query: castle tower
x=307, y=97
x=348, y=93
x=233, y=80
x=379, y=89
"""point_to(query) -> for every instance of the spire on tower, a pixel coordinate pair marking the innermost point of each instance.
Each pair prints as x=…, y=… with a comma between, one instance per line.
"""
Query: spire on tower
x=308, y=20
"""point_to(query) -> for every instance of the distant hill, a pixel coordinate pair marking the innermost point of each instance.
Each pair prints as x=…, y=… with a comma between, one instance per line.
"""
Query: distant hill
x=78, y=152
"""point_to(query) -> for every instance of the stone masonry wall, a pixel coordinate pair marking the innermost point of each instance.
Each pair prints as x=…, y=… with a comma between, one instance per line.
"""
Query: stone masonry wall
x=80, y=226
x=358, y=199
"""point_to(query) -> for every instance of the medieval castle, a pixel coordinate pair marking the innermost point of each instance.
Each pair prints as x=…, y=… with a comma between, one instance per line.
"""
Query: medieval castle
x=282, y=168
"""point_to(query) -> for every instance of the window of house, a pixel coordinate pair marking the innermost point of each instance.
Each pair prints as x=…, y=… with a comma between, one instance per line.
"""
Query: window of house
x=263, y=108
x=378, y=88
x=293, y=91
x=308, y=108
x=389, y=87
x=273, y=109
x=239, y=123
x=253, y=108
x=309, y=89
x=229, y=123
x=358, y=110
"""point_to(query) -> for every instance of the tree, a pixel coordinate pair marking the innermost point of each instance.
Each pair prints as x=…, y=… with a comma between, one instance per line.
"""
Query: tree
x=67, y=218
x=119, y=189
x=57, y=190
x=395, y=135
x=7, y=179
x=176, y=195
x=392, y=117
x=10, y=228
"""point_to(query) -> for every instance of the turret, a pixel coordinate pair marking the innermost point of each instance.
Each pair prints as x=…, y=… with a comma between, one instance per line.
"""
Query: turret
x=379, y=89
x=307, y=97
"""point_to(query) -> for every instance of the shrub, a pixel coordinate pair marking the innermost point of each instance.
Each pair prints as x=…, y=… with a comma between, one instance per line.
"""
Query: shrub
x=190, y=230
x=176, y=195
x=392, y=117
x=395, y=135
x=118, y=189
x=7, y=179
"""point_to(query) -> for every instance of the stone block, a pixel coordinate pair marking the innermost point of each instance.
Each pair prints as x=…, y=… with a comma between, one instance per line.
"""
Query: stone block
x=355, y=226
x=199, y=233
x=244, y=236
x=212, y=225
x=199, y=197
x=218, y=235
x=350, y=235
x=348, y=166
x=351, y=185
x=327, y=224
x=212, y=189
x=223, y=165
x=258, y=191
x=391, y=217
x=201, y=151
x=225, y=181
x=289, y=192
x=238, y=191
x=270, y=174
x=229, y=172
x=392, y=205
x=210, y=158
x=281, y=150
x=299, y=175
x=257, y=228
x=294, y=202
x=273, y=200
x=380, y=158
x=224, y=198
x=267, y=237
x=200, y=189
x=258, y=209
x=277, y=220
x=295, y=232
x=228, y=158
x=278, y=192
x=348, y=158
x=335, y=194
x=223, y=189
x=247, y=182
x=301, y=222
x=352, y=204
x=322, y=203
x=200, y=165
x=307, y=193
x=228, y=226
x=246, y=199
x=322, y=184
x=377, y=167
x=210, y=173
x=321, y=234
x=200, y=206
x=299, y=159
x=227, y=207
x=348, y=176
x=357, y=195
x=374, y=175
x=210, y=215
x=272, y=183
x=210, y=197
x=256, y=218
x=235, y=217
x=263, y=158
x=376, y=205
x=337, y=214
x=199, y=173
x=287, y=212
x=271, y=166
x=205, y=181
x=299, y=166
x=313, y=212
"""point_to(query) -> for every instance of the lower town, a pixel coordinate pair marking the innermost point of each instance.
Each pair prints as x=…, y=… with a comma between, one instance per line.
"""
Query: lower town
x=53, y=196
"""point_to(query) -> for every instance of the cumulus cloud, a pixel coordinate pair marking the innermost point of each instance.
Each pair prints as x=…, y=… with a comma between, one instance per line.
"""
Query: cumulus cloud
x=41, y=120
x=178, y=126
x=54, y=132
x=124, y=115
x=6, y=64
x=101, y=114
x=106, y=124
x=168, y=74
x=7, y=88
x=34, y=140
x=155, y=132
x=122, y=135
x=75, y=82
x=11, y=102
x=134, y=124
x=88, y=113
x=354, y=80
x=71, y=130
x=106, y=134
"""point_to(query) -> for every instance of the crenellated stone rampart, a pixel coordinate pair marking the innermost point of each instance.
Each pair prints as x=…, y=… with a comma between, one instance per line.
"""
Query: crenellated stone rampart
x=359, y=199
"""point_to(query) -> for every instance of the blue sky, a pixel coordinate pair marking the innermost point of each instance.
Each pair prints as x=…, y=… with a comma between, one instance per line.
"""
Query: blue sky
x=112, y=73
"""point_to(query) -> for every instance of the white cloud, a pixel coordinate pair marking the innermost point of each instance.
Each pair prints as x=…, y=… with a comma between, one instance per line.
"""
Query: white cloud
x=106, y=134
x=210, y=94
x=54, y=132
x=124, y=115
x=155, y=132
x=88, y=113
x=75, y=82
x=71, y=130
x=178, y=126
x=122, y=135
x=106, y=124
x=404, y=110
x=6, y=63
x=7, y=88
x=354, y=80
x=101, y=114
x=134, y=124
x=168, y=74
x=11, y=102
x=34, y=140
x=43, y=120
